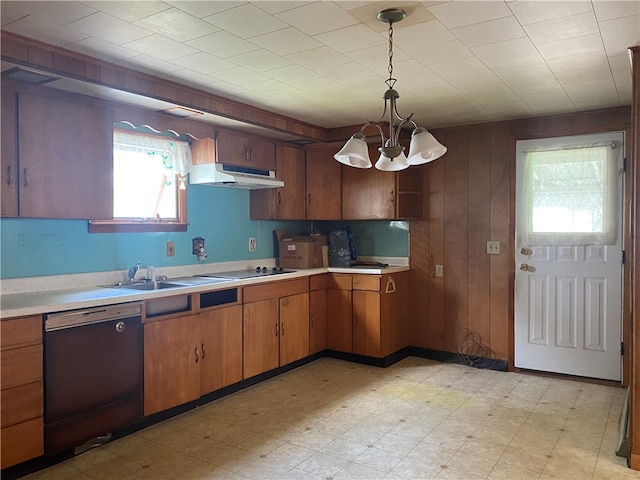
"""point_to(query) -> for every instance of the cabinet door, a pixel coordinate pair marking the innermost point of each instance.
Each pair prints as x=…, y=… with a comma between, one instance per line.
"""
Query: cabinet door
x=394, y=312
x=339, y=330
x=317, y=321
x=232, y=148
x=221, y=348
x=368, y=193
x=9, y=161
x=171, y=363
x=366, y=323
x=323, y=180
x=262, y=153
x=294, y=328
x=260, y=336
x=65, y=156
x=21, y=442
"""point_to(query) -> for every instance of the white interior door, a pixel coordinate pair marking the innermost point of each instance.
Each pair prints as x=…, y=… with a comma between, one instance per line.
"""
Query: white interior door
x=568, y=281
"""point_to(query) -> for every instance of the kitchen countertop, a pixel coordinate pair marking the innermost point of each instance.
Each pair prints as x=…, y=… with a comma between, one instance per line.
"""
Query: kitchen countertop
x=45, y=301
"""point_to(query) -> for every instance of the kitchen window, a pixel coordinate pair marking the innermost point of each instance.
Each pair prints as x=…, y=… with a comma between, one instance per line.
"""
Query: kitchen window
x=149, y=184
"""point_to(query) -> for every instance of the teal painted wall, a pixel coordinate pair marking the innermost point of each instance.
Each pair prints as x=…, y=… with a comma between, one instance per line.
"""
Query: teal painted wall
x=35, y=247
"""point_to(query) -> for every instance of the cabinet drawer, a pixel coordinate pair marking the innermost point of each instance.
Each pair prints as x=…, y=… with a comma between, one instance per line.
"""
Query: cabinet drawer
x=338, y=281
x=18, y=332
x=366, y=282
x=21, y=366
x=318, y=282
x=21, y=442
x=275, y=289
x=21, y=403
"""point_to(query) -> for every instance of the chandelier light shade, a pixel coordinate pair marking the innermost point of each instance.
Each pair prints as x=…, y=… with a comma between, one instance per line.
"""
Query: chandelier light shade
x=423, y=147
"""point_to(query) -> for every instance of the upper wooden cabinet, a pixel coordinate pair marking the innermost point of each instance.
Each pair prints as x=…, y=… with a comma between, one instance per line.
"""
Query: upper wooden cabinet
x=244, y=150
x=284, y=203
x=374, y=194
x=324, y=190
x=58, y=159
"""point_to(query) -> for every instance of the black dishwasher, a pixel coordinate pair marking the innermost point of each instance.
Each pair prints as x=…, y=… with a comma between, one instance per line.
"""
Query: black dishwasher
x=92, y=374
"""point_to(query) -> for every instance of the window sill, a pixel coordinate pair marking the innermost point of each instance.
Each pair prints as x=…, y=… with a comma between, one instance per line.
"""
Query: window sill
x=116, y=226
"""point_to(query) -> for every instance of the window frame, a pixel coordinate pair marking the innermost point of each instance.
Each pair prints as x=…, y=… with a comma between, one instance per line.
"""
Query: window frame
x=116, y=225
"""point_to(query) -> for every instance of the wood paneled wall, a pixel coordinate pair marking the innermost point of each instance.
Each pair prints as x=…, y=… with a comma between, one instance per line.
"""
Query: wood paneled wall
x=471, y=196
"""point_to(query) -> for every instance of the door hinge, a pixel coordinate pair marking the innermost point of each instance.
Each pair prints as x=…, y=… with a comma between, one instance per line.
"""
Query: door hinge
x=621, y=348
x=623, y=257
x=624, y=164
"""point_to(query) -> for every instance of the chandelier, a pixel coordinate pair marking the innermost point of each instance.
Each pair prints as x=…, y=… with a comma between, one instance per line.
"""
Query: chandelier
x=423, y=147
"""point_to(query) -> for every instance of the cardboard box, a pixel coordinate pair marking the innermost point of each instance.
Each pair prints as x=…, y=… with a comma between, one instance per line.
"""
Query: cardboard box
x=300, y=251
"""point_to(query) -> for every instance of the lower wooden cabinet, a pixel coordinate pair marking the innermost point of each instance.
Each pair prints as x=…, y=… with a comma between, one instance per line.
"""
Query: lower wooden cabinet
x=21, y=395
x=189, y=356
x=367, y=314
x=275, y=325
x=317, y=320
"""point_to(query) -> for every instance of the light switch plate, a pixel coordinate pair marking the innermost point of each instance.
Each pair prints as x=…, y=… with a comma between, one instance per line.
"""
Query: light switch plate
x=171, y=249
x=252, y=244
x=493, y=248
x=439, y=270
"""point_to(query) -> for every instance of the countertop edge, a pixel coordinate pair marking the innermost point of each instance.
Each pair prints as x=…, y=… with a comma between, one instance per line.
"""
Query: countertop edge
x=34, y=303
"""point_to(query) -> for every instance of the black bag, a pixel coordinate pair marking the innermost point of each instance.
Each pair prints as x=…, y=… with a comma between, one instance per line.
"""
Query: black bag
x=342, y=250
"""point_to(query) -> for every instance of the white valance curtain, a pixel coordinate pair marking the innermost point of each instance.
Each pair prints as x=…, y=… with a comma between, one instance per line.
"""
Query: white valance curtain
x=569, y=194
x=175, y=154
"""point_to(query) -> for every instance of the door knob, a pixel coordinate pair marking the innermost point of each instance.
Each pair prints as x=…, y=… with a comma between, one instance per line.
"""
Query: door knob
x=524, y=267
x=525, y=251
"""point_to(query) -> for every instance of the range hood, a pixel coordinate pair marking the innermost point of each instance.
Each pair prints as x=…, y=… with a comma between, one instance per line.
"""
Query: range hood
x=223, y=175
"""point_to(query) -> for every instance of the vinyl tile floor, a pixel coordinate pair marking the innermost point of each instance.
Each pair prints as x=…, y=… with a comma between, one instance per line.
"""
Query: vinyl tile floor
x=418, y=419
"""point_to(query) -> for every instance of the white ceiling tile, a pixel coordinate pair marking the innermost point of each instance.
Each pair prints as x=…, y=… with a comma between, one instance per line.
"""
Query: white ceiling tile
x=222, y=44
x=260, y=60
x=176, y=24
x=607, y=9
x=55, y=13
x=202, y=9
x=129, y=11
x=440, y=52
x=464, y=71
x=462, y=13
x=94, y=47
x=148, y=64
x=567, y=27
x=620, y=46
x=593, y=74
x=160, y=47
x=418, y=35
x=10, y=12
x=494, y=52
x=274, y=6
x=587, y=95
x=190, y=77
x=351, y=38
x=323, y=85
x=246, y=21
x=346, y=72
x=620, y=62
x=109, y=29
x=576, y=62
x=284, y=42
x=239, y=76
x=318, y=58
x=317, y=18
x=528, y=12
x=489, y=32
x=377, y=58
x=40, y=29
x=203, y=63
x=517, y=64
x=269, y=87
x=626, y=27
x=291, y=74
x=571, y=46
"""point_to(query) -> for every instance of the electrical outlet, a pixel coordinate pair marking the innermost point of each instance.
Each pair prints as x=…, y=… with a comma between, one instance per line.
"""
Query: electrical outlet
x=439, y=271
x=252, y=244
x=493, y=248
x=171, y=249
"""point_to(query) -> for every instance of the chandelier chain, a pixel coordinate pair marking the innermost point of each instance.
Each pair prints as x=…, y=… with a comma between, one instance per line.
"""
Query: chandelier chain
x=391, y=81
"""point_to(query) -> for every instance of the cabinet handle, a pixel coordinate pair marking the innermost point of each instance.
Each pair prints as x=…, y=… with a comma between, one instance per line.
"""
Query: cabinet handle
x=26, y=179
x=312, y=318
x=197, y=356
x=246, y=155
x=204, y=352
x=277, y=329
x=309, y=200
x=9, y=176
x=279, y=198
x=391, y=197
x=251, y=155
x=391, y=285
x=282, y=330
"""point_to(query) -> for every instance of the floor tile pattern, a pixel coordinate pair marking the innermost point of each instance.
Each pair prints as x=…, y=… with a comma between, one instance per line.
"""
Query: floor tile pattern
x=419, y=419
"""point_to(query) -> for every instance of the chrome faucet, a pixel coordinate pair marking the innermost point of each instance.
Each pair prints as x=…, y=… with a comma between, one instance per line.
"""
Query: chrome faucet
x=132, y=272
